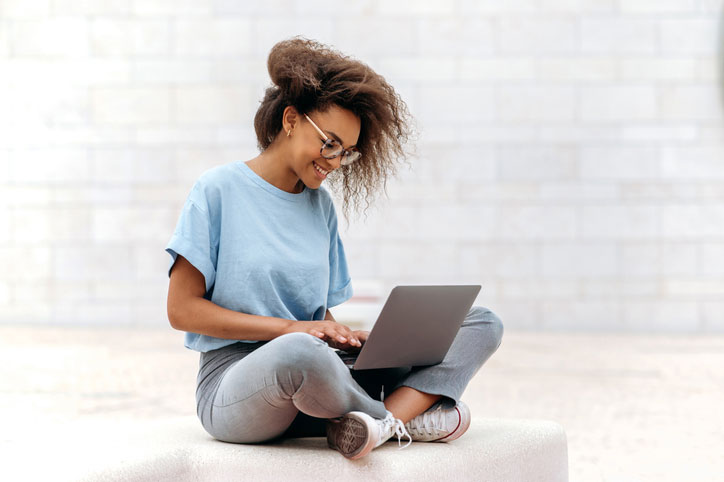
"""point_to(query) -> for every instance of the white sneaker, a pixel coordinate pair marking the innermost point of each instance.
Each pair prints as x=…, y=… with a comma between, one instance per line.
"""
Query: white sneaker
x=438, y=424
x=355, y=434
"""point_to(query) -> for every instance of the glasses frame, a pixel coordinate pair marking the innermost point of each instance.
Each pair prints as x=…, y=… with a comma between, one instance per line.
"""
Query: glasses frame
x=344, y=153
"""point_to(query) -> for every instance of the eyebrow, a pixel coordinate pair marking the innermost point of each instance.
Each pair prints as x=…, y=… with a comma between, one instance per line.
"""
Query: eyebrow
x=338, y=139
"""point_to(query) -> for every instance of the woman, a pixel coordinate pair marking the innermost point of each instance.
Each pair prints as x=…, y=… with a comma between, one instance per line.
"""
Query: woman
x=257, y=261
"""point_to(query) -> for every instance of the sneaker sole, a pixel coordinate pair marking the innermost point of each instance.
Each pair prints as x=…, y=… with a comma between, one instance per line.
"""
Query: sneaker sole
x=350, y=436
x=462, y=427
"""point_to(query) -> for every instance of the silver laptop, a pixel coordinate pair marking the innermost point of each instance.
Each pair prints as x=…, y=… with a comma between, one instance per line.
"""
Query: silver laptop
x=416, y=327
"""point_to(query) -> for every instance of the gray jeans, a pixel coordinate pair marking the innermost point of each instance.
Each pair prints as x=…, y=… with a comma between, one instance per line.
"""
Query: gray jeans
x=287, y=387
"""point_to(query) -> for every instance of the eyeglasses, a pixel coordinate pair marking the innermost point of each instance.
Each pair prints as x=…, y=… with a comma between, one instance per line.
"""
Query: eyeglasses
x=331, y=148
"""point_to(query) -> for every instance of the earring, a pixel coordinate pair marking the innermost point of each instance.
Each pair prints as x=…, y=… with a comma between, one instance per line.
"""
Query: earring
x=289, y=132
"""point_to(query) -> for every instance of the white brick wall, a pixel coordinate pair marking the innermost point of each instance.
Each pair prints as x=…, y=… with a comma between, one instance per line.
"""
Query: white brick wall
x=570, y=162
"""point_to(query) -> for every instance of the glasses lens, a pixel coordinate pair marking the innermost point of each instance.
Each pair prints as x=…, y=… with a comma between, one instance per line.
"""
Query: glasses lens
x=331, y=149
x=350, y=157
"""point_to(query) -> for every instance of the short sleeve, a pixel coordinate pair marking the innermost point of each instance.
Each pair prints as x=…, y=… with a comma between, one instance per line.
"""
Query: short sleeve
x=193, y=239
x=340, y=284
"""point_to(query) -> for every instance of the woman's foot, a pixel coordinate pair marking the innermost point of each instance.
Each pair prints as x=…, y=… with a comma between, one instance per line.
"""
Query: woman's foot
x=439, y=424
x=355, y=434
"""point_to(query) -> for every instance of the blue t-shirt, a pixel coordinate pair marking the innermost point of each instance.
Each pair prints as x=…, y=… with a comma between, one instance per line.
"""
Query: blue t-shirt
x=262, y=250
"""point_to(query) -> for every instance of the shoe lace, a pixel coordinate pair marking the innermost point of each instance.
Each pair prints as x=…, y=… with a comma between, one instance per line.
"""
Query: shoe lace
x=428, y=422
x=395, y=425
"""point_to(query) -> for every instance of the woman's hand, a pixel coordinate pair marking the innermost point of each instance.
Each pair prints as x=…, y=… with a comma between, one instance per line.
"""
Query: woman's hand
x=336, y=334
x=360, y=335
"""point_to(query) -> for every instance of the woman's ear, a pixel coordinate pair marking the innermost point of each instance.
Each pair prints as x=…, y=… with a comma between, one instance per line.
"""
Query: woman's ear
x=290, y=119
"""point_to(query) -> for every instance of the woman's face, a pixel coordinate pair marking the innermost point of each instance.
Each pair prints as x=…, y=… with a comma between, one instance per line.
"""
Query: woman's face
x=336, y=123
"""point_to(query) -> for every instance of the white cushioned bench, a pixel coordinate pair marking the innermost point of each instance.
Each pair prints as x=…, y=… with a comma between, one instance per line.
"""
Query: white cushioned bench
x=179, y=449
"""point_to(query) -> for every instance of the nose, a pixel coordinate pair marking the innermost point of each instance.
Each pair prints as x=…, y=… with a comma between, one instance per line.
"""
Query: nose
x=335, y=162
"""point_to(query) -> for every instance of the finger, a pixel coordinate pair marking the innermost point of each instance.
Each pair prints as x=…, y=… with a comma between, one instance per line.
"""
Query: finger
x=348, y=337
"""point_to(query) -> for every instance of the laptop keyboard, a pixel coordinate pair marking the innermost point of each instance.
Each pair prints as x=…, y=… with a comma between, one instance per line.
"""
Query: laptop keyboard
x=348, y=358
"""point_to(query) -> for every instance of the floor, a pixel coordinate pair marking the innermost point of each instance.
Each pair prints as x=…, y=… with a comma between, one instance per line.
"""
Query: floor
x=634, y=407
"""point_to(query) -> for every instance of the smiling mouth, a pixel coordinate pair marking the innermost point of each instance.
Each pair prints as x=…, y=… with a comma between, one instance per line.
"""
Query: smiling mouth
x=319, y=169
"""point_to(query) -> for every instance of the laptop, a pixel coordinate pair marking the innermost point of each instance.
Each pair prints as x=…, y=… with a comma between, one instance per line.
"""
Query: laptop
x=416, y=327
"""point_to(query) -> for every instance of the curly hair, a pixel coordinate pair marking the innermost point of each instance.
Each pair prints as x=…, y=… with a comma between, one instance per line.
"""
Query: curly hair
x=311, y=76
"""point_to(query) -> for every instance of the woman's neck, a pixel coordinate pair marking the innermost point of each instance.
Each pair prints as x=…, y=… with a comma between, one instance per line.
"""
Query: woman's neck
x=274, y=171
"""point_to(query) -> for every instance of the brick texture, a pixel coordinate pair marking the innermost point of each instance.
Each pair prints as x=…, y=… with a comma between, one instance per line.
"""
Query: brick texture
x=570, y=157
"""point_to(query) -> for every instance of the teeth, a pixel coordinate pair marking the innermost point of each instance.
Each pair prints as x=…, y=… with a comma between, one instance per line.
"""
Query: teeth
x=320, y=169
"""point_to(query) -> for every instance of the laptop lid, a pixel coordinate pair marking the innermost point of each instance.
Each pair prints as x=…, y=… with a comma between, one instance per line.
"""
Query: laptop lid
x=416, y=327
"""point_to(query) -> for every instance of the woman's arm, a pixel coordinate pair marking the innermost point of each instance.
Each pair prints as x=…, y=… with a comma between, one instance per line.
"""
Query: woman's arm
x=188, y=310
x=329, y=316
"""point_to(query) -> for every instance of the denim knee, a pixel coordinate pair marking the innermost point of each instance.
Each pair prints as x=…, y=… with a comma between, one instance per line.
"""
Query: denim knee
x=299, y=349
x=496, y=325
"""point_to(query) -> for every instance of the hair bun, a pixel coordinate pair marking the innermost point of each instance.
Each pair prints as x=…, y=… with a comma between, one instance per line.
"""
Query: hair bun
x=293, y=65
